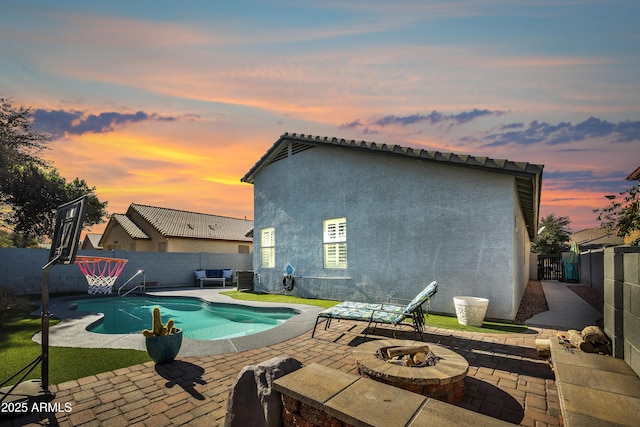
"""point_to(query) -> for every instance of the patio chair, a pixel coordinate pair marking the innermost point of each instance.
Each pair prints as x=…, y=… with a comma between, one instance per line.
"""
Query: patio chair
x=385, y=313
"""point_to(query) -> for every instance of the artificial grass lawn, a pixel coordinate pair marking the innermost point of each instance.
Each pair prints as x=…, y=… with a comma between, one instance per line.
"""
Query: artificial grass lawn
x=435, y=320
x=248, y=296
x=17, y=350
x=451, y=322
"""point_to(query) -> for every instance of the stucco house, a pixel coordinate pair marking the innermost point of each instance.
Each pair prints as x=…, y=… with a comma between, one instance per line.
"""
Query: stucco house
x=365, y=221
x=155, y=229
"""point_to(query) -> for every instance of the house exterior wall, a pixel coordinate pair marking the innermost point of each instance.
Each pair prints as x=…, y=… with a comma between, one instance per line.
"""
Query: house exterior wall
x=408, y=222
x=521, y=255
x=118, y=239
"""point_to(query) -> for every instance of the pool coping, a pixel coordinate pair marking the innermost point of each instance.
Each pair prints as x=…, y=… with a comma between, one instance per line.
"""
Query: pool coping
x=71, y=330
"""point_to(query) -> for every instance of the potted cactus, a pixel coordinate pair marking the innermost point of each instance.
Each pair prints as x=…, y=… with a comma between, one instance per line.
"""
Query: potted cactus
x=164, y=340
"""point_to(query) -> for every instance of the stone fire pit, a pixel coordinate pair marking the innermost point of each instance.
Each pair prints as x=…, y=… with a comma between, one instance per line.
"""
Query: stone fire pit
x=443, y=381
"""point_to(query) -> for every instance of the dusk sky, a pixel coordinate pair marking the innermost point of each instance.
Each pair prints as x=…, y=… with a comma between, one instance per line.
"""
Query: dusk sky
x=170, y=103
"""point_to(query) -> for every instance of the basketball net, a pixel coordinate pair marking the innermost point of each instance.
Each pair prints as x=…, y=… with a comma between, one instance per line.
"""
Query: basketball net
x=101, y=273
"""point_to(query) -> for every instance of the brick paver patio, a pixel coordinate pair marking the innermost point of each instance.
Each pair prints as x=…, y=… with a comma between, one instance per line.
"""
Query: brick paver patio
x=506, y=380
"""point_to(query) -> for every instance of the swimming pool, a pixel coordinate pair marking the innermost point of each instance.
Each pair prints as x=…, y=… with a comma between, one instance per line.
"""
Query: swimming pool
x=200, y=320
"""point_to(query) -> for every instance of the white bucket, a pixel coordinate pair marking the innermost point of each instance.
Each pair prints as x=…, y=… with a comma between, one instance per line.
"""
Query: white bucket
x=470, y=311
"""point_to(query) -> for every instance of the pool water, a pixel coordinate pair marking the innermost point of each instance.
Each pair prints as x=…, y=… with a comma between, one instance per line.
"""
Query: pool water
x=198, y=319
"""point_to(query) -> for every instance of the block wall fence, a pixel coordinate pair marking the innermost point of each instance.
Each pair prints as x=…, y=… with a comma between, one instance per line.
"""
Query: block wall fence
x=622, y=302
x=21, y=269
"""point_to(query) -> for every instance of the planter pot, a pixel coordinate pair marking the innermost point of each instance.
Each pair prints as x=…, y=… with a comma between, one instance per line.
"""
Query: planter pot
x=164, y=349
x=470, y=311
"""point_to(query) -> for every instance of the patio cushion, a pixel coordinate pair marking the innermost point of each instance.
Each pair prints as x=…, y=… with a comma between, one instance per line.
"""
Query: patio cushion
x=390, y=314
x=351, y=310
x=422, y=297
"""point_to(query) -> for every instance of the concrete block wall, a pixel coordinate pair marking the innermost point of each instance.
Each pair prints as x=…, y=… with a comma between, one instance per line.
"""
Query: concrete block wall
x=631, y=310
x=622, y=302
x=592, y=269
x=21, y=269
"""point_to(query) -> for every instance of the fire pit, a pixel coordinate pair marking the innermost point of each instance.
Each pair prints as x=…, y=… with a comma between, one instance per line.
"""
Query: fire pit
x=443, y=380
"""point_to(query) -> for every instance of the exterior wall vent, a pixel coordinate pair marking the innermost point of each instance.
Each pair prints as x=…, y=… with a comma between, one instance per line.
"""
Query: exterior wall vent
x=290, y=150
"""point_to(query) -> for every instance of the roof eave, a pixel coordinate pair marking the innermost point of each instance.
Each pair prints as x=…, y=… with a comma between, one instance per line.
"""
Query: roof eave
x=635, y=175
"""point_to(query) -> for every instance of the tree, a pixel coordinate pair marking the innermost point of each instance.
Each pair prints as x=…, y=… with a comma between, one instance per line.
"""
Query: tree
x=622, y=216
x=19, y=142
x=36, y=191
x=32, y=188
x=553, y=236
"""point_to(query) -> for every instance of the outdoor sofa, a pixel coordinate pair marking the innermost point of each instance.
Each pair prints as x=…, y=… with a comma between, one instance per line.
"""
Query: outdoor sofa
x=211, y=275
x=384, y=313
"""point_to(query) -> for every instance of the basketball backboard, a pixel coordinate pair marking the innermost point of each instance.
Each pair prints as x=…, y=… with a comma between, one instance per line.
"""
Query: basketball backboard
x=67, y=229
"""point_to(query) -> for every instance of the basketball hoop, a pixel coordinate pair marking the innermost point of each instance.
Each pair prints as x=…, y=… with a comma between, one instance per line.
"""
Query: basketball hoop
x=101, y=273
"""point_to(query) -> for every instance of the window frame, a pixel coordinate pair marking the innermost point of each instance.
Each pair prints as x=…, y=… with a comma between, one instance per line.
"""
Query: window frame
x=268, y=247
x=334, y=243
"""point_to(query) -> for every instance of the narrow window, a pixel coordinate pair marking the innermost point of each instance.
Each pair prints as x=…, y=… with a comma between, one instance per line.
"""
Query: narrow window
x=335, y=243
x=268, y=247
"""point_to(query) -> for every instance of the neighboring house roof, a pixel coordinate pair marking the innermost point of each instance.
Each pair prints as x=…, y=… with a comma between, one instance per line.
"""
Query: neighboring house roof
x=129, y=227
x=528, y=176
x=635, y=175
x=176, y=223
x=92, y=239
x=591, y=238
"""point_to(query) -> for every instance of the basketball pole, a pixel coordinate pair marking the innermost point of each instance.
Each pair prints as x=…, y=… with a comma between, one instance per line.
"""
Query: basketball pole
x=46, y=315
x=32, y=390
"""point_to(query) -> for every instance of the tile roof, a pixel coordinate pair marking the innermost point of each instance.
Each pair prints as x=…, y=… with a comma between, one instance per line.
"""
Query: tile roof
x=94, y=239
x=635, y=175
x=129, y=226
x=528, y=175
x=177, y=223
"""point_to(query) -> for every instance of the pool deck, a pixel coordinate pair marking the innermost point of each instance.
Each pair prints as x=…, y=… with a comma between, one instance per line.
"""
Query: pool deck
x=72, y=330
x=507, y=379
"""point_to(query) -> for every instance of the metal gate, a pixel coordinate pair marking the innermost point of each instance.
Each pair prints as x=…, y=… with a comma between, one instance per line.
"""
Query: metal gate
x=549, y=267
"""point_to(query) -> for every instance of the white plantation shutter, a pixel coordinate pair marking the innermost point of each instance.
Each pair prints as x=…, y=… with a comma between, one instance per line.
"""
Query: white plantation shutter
x=335, y=243
x=267, y=247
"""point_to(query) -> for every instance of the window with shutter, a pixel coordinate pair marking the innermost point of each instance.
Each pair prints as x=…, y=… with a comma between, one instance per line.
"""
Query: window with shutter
x=268, y=247
x=335, y=243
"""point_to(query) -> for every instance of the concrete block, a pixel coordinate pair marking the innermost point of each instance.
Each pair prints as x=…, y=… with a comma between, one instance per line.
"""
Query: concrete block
x=625, y=382
x=613, y=321
x=440, y=414
x=631, y=264
x=583, y=406
x=609, y=292
x=632, y=357
x=368, y=403
x=632, y=298
x=314, y=384
x=631, y=329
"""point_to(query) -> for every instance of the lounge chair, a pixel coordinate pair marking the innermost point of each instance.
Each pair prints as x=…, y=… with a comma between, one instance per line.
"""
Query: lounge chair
x=385, y=313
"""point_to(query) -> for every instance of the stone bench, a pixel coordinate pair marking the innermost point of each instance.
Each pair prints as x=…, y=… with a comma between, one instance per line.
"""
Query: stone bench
x=594, y=390
x=319, y=395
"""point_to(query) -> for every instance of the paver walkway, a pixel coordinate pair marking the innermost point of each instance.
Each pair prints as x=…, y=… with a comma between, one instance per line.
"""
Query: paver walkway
x=506, y=380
